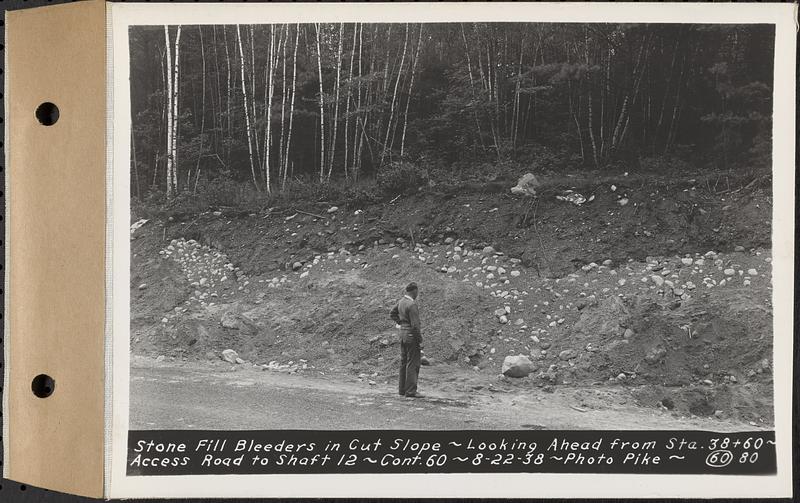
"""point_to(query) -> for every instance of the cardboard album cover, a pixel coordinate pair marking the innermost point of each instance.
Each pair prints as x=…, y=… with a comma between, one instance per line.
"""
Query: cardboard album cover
x=494, y=250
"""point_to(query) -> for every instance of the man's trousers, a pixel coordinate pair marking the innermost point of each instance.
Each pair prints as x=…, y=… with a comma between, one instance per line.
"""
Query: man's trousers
x=409, y=367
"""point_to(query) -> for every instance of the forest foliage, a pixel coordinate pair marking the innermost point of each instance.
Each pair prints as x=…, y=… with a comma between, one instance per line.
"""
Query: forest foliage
x=259, y=110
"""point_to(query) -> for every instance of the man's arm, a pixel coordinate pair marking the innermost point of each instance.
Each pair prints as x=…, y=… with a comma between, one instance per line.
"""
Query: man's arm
x=395, y=314
x=413, y=318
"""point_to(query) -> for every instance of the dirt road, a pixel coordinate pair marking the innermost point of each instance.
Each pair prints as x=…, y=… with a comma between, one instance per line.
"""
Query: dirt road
x=178, y=395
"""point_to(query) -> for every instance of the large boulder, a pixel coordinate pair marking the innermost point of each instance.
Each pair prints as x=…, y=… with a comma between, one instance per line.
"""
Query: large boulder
x=610, y=317
x=238, y=321
x=230, y=356
x=526, y=185
x=517, y=366
x=229, y=320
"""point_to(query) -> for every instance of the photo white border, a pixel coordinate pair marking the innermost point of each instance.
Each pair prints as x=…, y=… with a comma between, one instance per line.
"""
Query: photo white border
x=475, y=485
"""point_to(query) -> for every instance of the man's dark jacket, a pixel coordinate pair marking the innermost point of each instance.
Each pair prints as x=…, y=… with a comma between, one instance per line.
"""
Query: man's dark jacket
x=406, y=314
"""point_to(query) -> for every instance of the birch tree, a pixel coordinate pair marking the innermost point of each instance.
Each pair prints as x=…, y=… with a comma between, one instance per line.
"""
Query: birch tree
x=246, y=109
x=394, y=98
x=321, y=109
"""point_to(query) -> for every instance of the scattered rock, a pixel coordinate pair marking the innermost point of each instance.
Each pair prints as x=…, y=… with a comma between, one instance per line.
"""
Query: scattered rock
x=738, y=248
x=297, y=266
x=229, y=320
x=628, y=333
x=752, y=272
x=517, y=366
x=568, y=354
x=687, y=261
x=655, y=354
x=526, y=185
x=729, y=272
x=333, y=209
x=142, y=286
x=230, y=356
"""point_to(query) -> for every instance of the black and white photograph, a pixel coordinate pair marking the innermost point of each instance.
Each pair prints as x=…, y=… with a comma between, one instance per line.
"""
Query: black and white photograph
x=451, y=245
x=451, y=226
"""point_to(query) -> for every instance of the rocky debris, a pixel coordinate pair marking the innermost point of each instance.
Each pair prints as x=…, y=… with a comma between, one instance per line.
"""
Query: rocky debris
x=142, y=286
x=333, y=209
x=568, y=354
x=229, y=320
x=230, y=356
x=729, y=272
x=752, y=272
x=655, y=354
x=571, y=196
x=517, y=366
x=687, y=261
x=526, y=185
x=290, y=367
x=738, y=248
x=423, y=360
x=206, y=269
x=297, y=266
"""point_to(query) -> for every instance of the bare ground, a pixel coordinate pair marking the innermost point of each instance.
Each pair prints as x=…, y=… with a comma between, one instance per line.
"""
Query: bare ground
x=653, y=312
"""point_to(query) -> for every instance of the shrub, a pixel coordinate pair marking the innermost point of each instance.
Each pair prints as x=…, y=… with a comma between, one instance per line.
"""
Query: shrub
x=401, y=178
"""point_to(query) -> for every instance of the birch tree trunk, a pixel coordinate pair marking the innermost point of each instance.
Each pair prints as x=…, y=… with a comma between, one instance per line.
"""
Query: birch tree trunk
x=291, y=107
x=336, y=100
x=268, y=109
x=228, y=97
x=394, y=97
x=347, y=108
x=282, y=152
x=246, y=109
x=170, y=123
x=589, y=105
x=472, y=89
x=175, y=132
x=321, y=110
x=202, y=111
x=217, y=116
x=410, y=90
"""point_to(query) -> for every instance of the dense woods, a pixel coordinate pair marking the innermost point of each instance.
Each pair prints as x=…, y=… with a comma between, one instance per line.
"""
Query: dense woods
x=267, y=105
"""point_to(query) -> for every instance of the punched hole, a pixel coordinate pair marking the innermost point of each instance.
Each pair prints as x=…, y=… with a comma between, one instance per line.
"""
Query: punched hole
x=43, y=386
x=47, y=113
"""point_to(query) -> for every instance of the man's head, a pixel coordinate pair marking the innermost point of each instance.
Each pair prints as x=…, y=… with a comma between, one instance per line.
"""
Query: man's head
x=412, y=290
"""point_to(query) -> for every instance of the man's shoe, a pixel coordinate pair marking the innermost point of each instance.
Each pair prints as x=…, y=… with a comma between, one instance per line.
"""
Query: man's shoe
x=415, y=395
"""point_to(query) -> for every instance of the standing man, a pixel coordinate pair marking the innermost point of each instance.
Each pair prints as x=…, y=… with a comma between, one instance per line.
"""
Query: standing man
x=406, y=314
